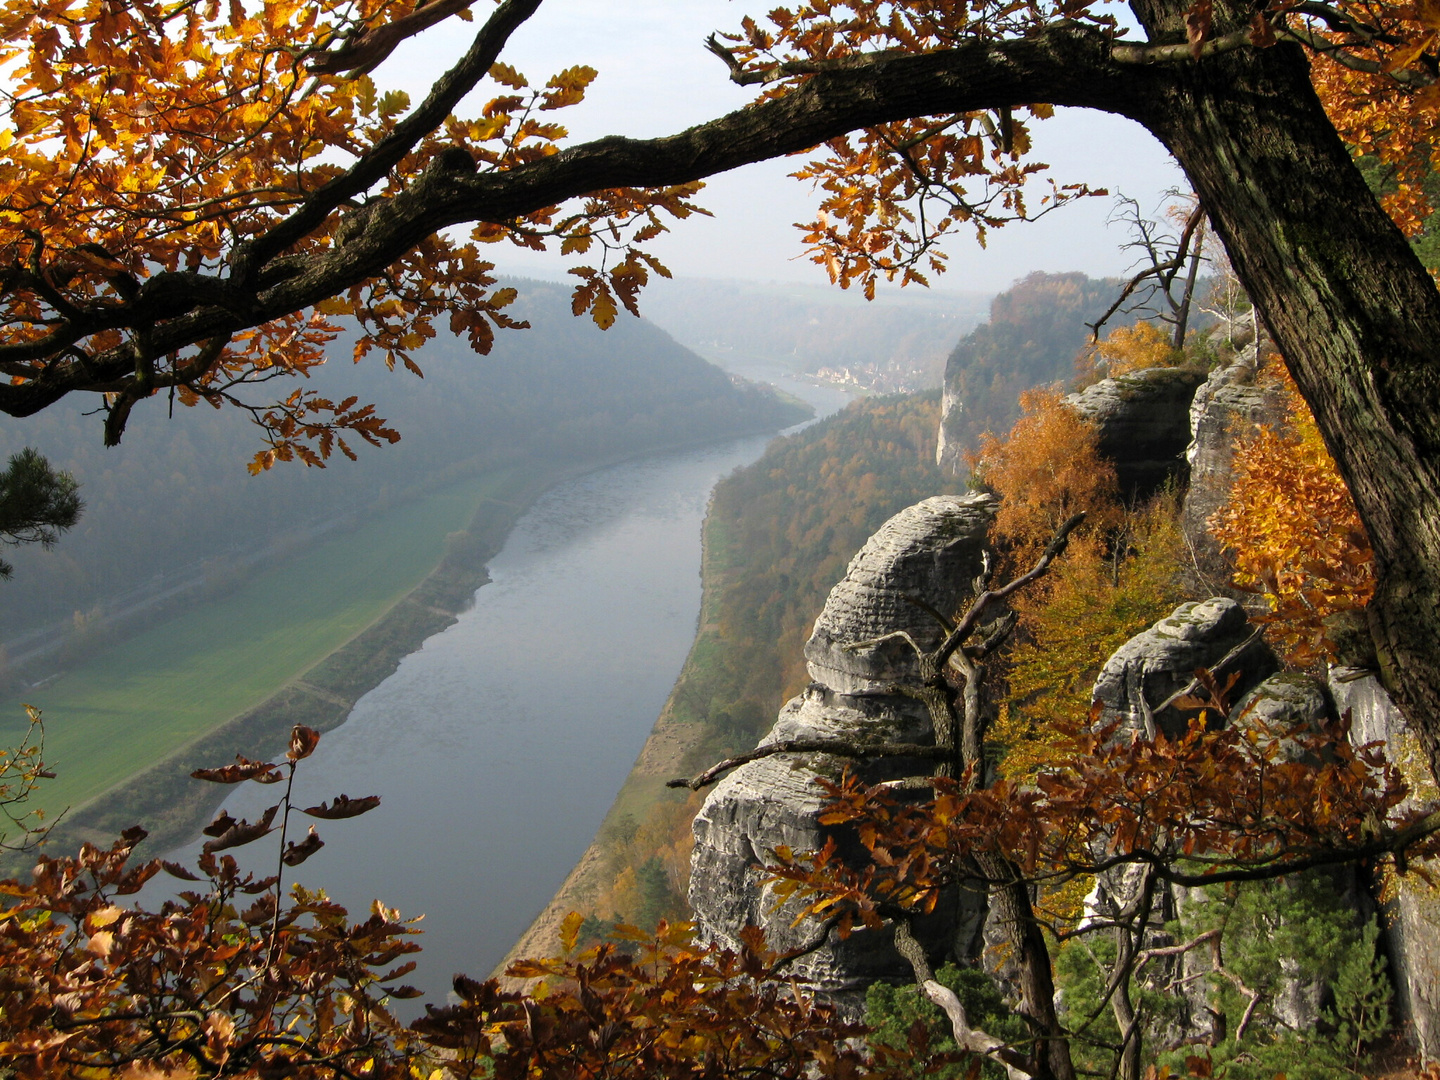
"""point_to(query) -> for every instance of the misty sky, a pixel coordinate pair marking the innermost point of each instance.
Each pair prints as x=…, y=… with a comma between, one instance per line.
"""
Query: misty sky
x=656, y=78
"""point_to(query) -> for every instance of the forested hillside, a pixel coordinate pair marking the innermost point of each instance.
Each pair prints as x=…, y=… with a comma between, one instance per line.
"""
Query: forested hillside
x=780, y=534
x=175, y=500
x=1036, y=329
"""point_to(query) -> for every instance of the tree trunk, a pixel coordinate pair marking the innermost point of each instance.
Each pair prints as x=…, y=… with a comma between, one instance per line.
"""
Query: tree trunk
x=1348, y=303
x=1011, y=897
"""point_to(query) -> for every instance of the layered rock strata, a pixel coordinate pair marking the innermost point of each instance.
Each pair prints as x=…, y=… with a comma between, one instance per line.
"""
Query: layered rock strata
x=1139, y=682
x=927, y=555
x=1228, y=405
x=1144, y=425
x=1411, y=907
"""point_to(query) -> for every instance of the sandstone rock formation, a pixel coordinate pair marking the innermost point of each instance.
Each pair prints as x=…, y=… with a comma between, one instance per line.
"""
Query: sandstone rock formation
x=1412, y=912
x=1142, y=674
x=931, y=552
x=1139, y=680
x=1144, y=422
x=1228, y=404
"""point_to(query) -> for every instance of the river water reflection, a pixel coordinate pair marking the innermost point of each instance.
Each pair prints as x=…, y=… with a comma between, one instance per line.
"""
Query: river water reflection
x=498, y=747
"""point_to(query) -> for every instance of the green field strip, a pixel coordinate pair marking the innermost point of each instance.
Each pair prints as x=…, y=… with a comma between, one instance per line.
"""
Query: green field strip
x=125, y=708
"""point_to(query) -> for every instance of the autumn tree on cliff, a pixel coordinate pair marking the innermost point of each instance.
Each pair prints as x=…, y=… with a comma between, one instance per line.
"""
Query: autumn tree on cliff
x=193, y=191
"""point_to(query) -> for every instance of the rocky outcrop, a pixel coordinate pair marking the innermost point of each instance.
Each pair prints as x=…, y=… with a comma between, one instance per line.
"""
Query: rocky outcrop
x=1137, y=683
x=1412, y=911
x=1144, y=673
x=930, y=552
x=1036, y=328
x=1228, y=404
x=1144, y=424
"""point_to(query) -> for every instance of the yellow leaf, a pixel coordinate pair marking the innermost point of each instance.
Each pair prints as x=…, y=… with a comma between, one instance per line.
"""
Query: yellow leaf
x=603, y=311
x=508, y=76
x=570, y=930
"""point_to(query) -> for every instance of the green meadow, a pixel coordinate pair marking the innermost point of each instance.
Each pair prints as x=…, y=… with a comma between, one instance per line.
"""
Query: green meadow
x=132, y=704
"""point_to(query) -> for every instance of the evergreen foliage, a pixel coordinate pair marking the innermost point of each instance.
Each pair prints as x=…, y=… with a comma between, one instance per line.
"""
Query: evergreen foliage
x=891, y=1012
x=1295, y=943
x=37, y=503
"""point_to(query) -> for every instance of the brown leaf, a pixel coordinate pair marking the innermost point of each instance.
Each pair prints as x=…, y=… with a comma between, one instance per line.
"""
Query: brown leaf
x=343, y=807
x=243, y=769
x=1197, y=25
x=242, y=832
x=223, y=821
x=176, y=870
x=303, y=741
x=295, y=854
x=260, y=911
x=1262, y=34
x=258, y=886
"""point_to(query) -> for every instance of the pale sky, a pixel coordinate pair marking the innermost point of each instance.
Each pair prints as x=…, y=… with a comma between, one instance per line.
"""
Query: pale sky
x=656, y=78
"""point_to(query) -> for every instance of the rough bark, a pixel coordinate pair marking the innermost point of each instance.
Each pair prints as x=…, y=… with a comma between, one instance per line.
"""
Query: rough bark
x=1354, y=313
x=1010, y=901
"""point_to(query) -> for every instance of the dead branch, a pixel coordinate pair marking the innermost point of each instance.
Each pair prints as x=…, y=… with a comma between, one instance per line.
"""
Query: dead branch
x=966, y=626
x=967, y=1038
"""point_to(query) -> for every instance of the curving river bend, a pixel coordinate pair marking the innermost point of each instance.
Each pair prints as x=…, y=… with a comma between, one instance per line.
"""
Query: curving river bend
x=498, y=747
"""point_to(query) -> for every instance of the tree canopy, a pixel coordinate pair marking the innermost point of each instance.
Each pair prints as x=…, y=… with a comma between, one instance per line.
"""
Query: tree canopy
x=194, y=192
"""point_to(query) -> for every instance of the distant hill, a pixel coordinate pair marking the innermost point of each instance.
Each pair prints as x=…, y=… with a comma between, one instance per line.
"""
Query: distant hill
x=1036, y=329
x=896, y=343
x=176, y=494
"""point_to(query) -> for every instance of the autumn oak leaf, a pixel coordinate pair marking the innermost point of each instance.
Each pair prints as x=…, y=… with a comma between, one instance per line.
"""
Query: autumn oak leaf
x=343, y=807
x=242, y=832
x=243, y=769
x=295, y=854
x=303, y=741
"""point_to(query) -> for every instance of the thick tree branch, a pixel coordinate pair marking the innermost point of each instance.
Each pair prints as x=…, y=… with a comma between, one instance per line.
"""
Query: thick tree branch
x=447, y=92
x=1182, y=52
x=1394, y=843
x=1063, y=65
x=363, y=52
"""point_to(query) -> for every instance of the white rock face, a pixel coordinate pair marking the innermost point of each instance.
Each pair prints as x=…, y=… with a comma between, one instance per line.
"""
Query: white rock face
x=1227, y=406
x=931, y=551
x=1153, y=665
x=1412, y=919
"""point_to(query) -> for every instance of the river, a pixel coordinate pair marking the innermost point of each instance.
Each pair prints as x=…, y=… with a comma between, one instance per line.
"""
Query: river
x=498, y=747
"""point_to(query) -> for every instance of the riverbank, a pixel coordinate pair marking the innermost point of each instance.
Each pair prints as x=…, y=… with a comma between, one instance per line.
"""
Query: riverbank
x=163, y=798
x=777, y=536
